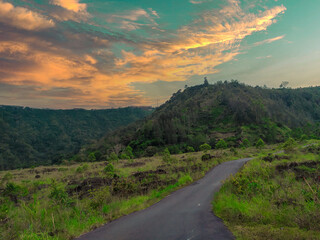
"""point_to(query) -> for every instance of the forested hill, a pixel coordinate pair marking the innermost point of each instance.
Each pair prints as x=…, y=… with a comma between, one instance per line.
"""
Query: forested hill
x=32, y=137
x=226, y=110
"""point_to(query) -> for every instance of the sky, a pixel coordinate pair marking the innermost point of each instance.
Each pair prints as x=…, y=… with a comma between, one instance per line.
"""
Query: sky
x=97, y=54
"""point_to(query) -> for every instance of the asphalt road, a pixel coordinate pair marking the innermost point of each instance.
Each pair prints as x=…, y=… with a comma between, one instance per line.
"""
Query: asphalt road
x=184, y=215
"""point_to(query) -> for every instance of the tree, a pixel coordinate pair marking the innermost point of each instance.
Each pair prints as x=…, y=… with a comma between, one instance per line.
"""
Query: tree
x=284, y=84
x=245, y=143
x=260, y=143
x=205, y=147
x=206, y=83
x=221, y=144
x=128, y=152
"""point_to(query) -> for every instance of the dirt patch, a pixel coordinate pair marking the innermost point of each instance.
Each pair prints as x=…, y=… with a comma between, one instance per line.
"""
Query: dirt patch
x=206, y=157
x=142, y=175
x=312, y=149
x=272, y=157
x=309, y=169
x=134, y=164
x=221, y=135
x=83, y=188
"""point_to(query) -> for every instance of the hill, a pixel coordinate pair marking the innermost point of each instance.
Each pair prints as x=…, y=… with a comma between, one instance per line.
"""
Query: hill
x=237, y=113
x=32, y=137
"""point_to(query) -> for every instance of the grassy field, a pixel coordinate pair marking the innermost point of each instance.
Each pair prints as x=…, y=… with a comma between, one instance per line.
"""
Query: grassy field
x=62, y=202
x=276, y=196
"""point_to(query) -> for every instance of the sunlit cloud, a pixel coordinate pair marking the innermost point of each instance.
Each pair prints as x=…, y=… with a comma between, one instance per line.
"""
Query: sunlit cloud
x=128, y=20
x=84, y=68
x=270, y=40
x=72, y=5
x=198, y=48
x=23, y=18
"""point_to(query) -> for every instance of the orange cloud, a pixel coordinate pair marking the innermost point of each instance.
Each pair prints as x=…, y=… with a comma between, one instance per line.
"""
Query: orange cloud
x=196, y=49
x=72, y=5
x=199, y=48
x=23, y=18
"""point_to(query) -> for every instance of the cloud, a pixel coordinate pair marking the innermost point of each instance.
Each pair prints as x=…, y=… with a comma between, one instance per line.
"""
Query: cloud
x=196, y=2
x=23, y=18
x=75, y=66
x=71, y=5
x=264, y=57
x=197, y=48
x=134, y=19
x=270, y=40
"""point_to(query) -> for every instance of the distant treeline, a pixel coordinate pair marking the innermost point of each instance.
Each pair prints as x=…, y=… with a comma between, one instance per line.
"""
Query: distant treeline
x=31, y=137
x=237, y=113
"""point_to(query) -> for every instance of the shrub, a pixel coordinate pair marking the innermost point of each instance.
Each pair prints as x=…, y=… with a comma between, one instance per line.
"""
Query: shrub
x=82, y=168
x=234, y=151
x=205, y=147
x=15, y=192
x=124, y=156
x=206, y=157
x=167, y=156
x=113, y=157
x=245, y=143
x=221, y=144
x=190, y=149
x=260, y=143
x=150, y=151
x=128, y=152
x=109, y=168
x=100, y=197
x=92, y=157
x=289, y=145
x=59, y=195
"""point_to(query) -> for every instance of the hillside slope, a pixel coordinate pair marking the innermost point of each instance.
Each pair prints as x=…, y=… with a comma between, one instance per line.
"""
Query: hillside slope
x=30, y=137
x=225, y=110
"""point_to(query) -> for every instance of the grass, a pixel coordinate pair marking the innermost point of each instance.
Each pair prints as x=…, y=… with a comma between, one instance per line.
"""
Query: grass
x=63, y=202
x=274, y=200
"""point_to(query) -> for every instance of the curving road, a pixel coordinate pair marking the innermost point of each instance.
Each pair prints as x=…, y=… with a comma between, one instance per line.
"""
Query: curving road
x=184, y=215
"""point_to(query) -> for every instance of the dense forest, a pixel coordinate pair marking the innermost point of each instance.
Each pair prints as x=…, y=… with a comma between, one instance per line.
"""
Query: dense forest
x=230, y=111
x=31, y=137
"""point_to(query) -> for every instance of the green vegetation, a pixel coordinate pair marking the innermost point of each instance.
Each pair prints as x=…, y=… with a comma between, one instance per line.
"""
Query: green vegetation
x=63, y=202
x=239, y=115
x=260, y=143
x=205, y=147
x=221, y=144
x=275, y=196
x=33, y=137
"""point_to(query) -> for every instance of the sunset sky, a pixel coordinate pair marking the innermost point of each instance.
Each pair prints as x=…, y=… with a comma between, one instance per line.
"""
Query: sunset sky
x=104, y=54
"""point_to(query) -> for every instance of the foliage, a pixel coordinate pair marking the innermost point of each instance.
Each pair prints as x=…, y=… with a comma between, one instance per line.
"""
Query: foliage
x=113, y=157
x=109, y=168
x=205, y=147
x=289, y=145
x=278, y=195
x=260, y=143
x=33, y=137
x=246, y=143
x=221, y=144
x=73, y=203
x=226, y=110
x=190, y=149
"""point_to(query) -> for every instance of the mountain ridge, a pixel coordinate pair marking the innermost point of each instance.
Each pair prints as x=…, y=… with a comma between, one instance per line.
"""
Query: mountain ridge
x=33, y=137
x=207, y=113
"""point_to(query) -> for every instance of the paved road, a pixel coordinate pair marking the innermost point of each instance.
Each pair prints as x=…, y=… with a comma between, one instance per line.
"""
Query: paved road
x=184, y=215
